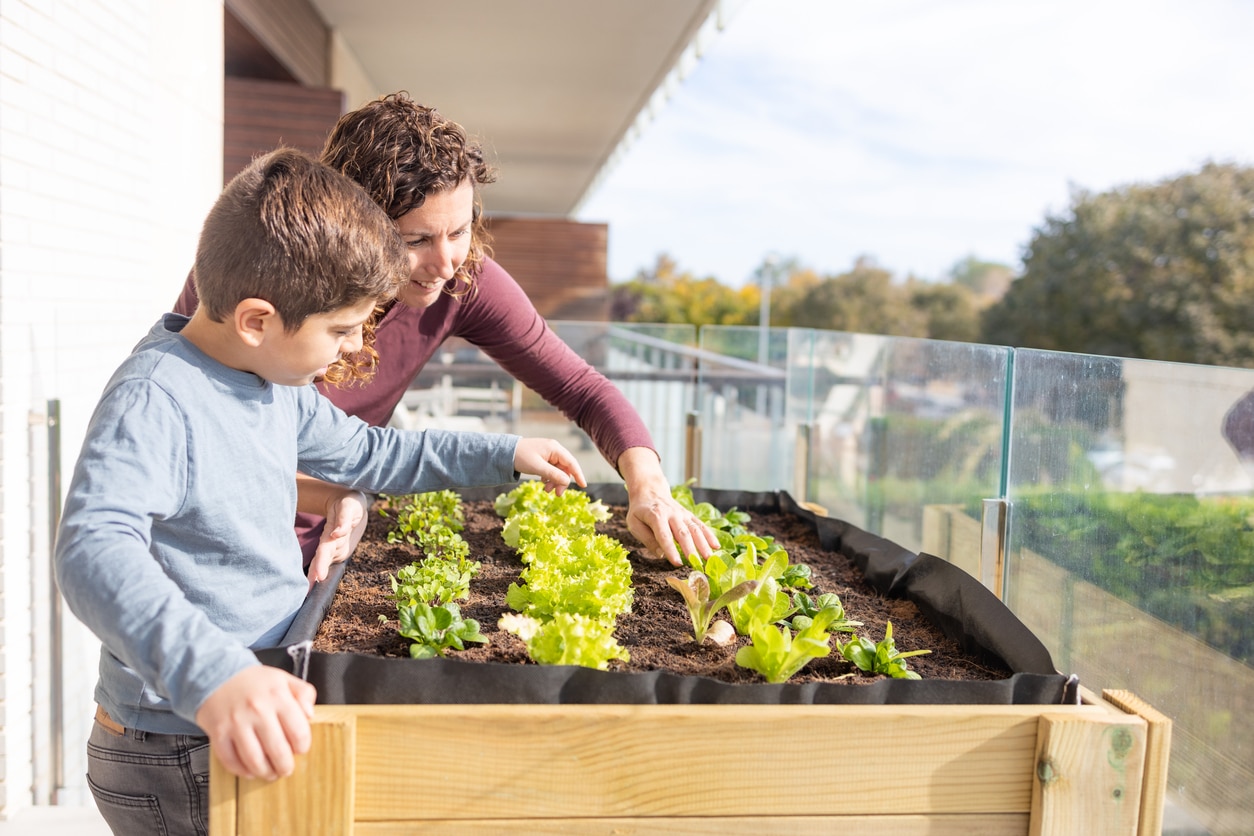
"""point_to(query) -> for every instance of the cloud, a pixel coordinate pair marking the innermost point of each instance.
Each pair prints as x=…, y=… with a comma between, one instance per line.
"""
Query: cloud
x=920, y=133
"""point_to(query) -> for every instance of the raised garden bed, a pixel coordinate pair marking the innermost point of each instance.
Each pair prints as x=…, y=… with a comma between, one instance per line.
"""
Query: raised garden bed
x=454, y=746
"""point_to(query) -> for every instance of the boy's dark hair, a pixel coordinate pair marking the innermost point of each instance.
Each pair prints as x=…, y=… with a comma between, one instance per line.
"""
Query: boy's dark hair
x=300, y=235
x=401, y=151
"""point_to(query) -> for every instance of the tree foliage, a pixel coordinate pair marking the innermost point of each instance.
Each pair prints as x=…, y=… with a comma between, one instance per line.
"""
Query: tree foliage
x=1162, y=271
x=866, y=299
x=664, y=294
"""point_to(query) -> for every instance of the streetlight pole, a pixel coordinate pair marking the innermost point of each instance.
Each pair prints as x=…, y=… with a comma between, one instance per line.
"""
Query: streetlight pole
x=766, y=276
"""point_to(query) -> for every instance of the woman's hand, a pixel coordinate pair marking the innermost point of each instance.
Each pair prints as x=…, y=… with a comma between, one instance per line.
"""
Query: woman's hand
x=553, y=463
x=346, y=512
x=663, y=526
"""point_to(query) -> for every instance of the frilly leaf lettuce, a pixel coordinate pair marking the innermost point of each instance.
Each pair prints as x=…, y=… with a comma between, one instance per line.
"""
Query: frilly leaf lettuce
x=573, y=577
x=566, y=639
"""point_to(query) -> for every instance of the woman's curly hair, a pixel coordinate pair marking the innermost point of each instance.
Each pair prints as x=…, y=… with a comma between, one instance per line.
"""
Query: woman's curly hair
x=400, y=152
x=357, y=368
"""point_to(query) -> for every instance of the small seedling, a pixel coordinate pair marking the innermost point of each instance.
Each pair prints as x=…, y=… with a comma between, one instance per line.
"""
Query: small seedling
x=883, y=658
x=696, y=592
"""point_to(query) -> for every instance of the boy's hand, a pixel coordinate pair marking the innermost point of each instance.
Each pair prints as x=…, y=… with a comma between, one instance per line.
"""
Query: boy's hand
x=549, y=460
x=258, y=720
x=346, y=523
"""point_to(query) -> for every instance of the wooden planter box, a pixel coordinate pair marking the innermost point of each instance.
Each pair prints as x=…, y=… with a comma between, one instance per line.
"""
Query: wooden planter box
x=1094, y=768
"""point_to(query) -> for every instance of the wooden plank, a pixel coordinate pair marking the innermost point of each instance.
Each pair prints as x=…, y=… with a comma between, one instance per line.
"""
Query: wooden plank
x=1001, y=824
x=317, y=798
x=223, y=794
x=293, y=32
x=612, y=761
x=1087, y=777
x=1157, y=756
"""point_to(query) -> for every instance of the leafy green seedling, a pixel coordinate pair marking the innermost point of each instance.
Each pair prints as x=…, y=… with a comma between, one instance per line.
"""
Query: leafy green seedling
x=883, y=658
x=777, y=654
x=566, y=639
x=434, y=581
x=808, y=608
x=696, y=592
x=433, y=630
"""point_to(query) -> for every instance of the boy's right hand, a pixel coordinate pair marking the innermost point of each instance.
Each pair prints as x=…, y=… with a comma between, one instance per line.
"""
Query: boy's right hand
x=549, y=460
x=258, y=720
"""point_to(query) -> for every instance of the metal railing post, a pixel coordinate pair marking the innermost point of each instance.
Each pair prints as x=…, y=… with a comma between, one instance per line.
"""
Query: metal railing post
x=692, y=447
x=994, y=529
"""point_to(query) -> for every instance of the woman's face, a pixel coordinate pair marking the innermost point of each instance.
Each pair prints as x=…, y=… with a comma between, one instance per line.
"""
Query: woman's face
x=437, y=234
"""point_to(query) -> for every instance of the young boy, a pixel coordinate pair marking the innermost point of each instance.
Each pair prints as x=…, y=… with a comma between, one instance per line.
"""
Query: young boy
x=176, y=545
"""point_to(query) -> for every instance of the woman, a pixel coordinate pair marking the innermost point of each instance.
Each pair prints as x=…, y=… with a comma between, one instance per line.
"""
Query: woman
x=425, y=173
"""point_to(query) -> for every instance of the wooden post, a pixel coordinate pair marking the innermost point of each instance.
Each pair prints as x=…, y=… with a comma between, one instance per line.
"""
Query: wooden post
x=316, y=799
x=1157, y=753
x=1088, y=774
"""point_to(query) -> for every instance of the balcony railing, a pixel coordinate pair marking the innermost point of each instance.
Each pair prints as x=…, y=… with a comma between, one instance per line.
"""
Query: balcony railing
x=1097, y=496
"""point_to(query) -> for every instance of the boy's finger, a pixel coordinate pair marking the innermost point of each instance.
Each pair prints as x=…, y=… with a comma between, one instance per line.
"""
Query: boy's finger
x=277, y=748
x=321, y=564
x=224, y=751
x=294, y=720
x=253, y=758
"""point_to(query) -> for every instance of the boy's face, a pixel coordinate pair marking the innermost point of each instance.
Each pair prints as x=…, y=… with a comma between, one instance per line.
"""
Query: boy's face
x=300, y=357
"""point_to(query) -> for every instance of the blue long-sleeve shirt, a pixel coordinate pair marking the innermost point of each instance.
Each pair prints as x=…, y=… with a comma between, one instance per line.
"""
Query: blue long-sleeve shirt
x=176, y=545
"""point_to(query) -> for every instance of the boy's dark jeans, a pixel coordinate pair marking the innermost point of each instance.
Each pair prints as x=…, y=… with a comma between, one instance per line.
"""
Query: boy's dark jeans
x=149, y=783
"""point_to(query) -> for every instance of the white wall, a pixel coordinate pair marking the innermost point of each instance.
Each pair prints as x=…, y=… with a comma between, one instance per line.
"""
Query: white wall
x=110, y=155
x=348, y=75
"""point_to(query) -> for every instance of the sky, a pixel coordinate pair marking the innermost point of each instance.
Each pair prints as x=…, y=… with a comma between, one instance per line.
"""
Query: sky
x=920, y=132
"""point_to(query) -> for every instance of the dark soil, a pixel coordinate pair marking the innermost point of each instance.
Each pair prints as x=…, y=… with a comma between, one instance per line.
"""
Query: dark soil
x=657, y=632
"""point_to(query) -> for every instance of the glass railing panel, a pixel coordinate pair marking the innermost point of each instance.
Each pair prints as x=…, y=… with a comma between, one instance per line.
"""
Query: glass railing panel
x=1131, y=551
x=746, y=441
x=902, y=431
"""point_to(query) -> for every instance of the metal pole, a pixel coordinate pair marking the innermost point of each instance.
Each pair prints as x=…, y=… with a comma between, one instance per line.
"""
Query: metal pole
x=57, y=684
x=692, y=448
x=766, y=274
x=801, y=463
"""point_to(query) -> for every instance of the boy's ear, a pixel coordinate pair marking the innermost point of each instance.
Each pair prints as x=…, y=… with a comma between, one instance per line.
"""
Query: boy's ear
x=253, y=319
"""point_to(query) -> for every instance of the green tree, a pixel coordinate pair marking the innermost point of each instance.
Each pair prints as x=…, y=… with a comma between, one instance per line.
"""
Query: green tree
x=951, y=311
x=988, y=280
x=863, y=300
x=664, y=294
x=1163, y=271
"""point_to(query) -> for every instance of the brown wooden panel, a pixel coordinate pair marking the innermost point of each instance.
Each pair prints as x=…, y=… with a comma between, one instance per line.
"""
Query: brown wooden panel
x=975, y=824
x=584, y=761
x=293, y=32
x=560, y=263
x=259, y=115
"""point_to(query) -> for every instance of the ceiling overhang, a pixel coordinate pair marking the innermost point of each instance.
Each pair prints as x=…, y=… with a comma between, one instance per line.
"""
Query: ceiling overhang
x=554, y=89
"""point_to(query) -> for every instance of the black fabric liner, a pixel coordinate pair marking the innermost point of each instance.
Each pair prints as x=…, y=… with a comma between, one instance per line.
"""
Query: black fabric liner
x=962, y=608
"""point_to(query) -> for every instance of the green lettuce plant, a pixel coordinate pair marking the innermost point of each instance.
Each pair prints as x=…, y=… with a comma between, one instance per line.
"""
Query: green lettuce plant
x=575, y=582
x=882, y=657
x=704, y=602
x=433, y=630
x=566, y=639
x=778, y=654
x=807, y=609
